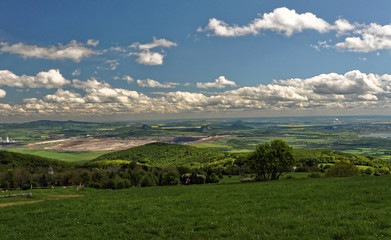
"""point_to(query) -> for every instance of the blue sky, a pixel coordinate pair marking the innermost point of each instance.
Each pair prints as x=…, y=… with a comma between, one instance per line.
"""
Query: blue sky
x=127, y=60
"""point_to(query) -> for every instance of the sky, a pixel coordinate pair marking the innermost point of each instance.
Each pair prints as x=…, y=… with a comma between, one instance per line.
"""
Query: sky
x=120, y=60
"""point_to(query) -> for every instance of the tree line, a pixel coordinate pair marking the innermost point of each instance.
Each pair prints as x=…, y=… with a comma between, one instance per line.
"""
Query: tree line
x=267, y=162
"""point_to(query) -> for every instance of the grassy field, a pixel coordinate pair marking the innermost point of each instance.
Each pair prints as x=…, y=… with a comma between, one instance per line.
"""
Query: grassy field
x=76, y=157
x=324, y=208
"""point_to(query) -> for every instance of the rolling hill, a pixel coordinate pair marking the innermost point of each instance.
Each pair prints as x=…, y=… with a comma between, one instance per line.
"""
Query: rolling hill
x=27, y=161
x=165, y=154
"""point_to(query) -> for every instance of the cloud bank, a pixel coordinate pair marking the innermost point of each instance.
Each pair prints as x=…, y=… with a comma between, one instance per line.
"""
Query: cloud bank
x=352, y=90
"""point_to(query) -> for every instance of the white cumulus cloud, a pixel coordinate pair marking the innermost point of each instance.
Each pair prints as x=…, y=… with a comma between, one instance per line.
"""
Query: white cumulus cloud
x=49, y=79
x=128, y=78
x=148, y=57
x=73, y=50
x=92, y=42
x=76, y=72
x=371, y=38
x=220, y=82
x=164, y=43
x=2, y=93
x=281, y=19
x=101, y=92
x=155, y=84
x=62, y=96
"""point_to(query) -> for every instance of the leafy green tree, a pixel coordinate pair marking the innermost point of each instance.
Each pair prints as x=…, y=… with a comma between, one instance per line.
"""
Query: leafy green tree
x=170, y=178
x=343, y=169
x=86, y=177
x=147, y=181
x=269, y=161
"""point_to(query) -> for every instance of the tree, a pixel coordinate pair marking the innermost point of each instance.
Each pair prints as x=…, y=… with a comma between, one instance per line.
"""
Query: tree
x=170, y=178
x=343, y=169
x=269, y=161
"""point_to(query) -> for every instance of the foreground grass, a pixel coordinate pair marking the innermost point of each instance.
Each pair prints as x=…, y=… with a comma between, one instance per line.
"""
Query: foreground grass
x=325, y=208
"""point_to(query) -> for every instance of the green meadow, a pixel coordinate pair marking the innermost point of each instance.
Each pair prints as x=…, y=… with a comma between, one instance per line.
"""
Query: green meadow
x=322, y=208
x=76, y=157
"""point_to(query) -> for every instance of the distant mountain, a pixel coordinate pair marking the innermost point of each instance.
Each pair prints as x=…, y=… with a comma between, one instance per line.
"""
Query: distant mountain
x=165, y=154
x=146, y=127
x=239, y=126
x=28, y=161
x=49, y=123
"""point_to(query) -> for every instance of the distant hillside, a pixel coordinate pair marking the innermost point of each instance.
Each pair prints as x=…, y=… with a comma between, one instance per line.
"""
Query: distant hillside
x=49, y=123
x=164, y=154
x=27, y=161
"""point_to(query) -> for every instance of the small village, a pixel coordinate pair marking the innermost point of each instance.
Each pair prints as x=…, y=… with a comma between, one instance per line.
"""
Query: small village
x=6, y=140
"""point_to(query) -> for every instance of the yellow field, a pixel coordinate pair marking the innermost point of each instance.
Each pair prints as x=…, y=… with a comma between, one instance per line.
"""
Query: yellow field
x=180, y=127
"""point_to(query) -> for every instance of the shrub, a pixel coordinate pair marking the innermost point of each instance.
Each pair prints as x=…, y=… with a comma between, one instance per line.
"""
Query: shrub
x=26, y=186
x=288, y=177
x=111, y=183
x=5, y=184
x=96, y=185
x=35, y=184
x=127, y=182
x=314, y=175
x=170, y=178
x=198, y=178
x=368, y=171
x=343, y=169
x=147, y=181
x=121, y=184
x=213, y=178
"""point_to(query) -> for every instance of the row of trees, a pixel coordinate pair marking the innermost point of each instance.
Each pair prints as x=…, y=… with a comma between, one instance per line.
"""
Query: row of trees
x=130, y=175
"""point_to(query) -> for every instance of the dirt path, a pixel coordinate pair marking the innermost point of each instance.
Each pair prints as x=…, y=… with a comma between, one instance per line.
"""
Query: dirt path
x=18, y=203
x=54, y=197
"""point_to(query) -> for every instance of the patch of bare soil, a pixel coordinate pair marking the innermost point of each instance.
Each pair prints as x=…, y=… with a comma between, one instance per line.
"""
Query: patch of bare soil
x=18, y=203
x=209, y=139
x=94, y=145
x=105, y=144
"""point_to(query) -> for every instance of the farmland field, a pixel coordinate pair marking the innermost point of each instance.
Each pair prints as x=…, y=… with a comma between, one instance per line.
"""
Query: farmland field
x=324, y=208
x=368, y=135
